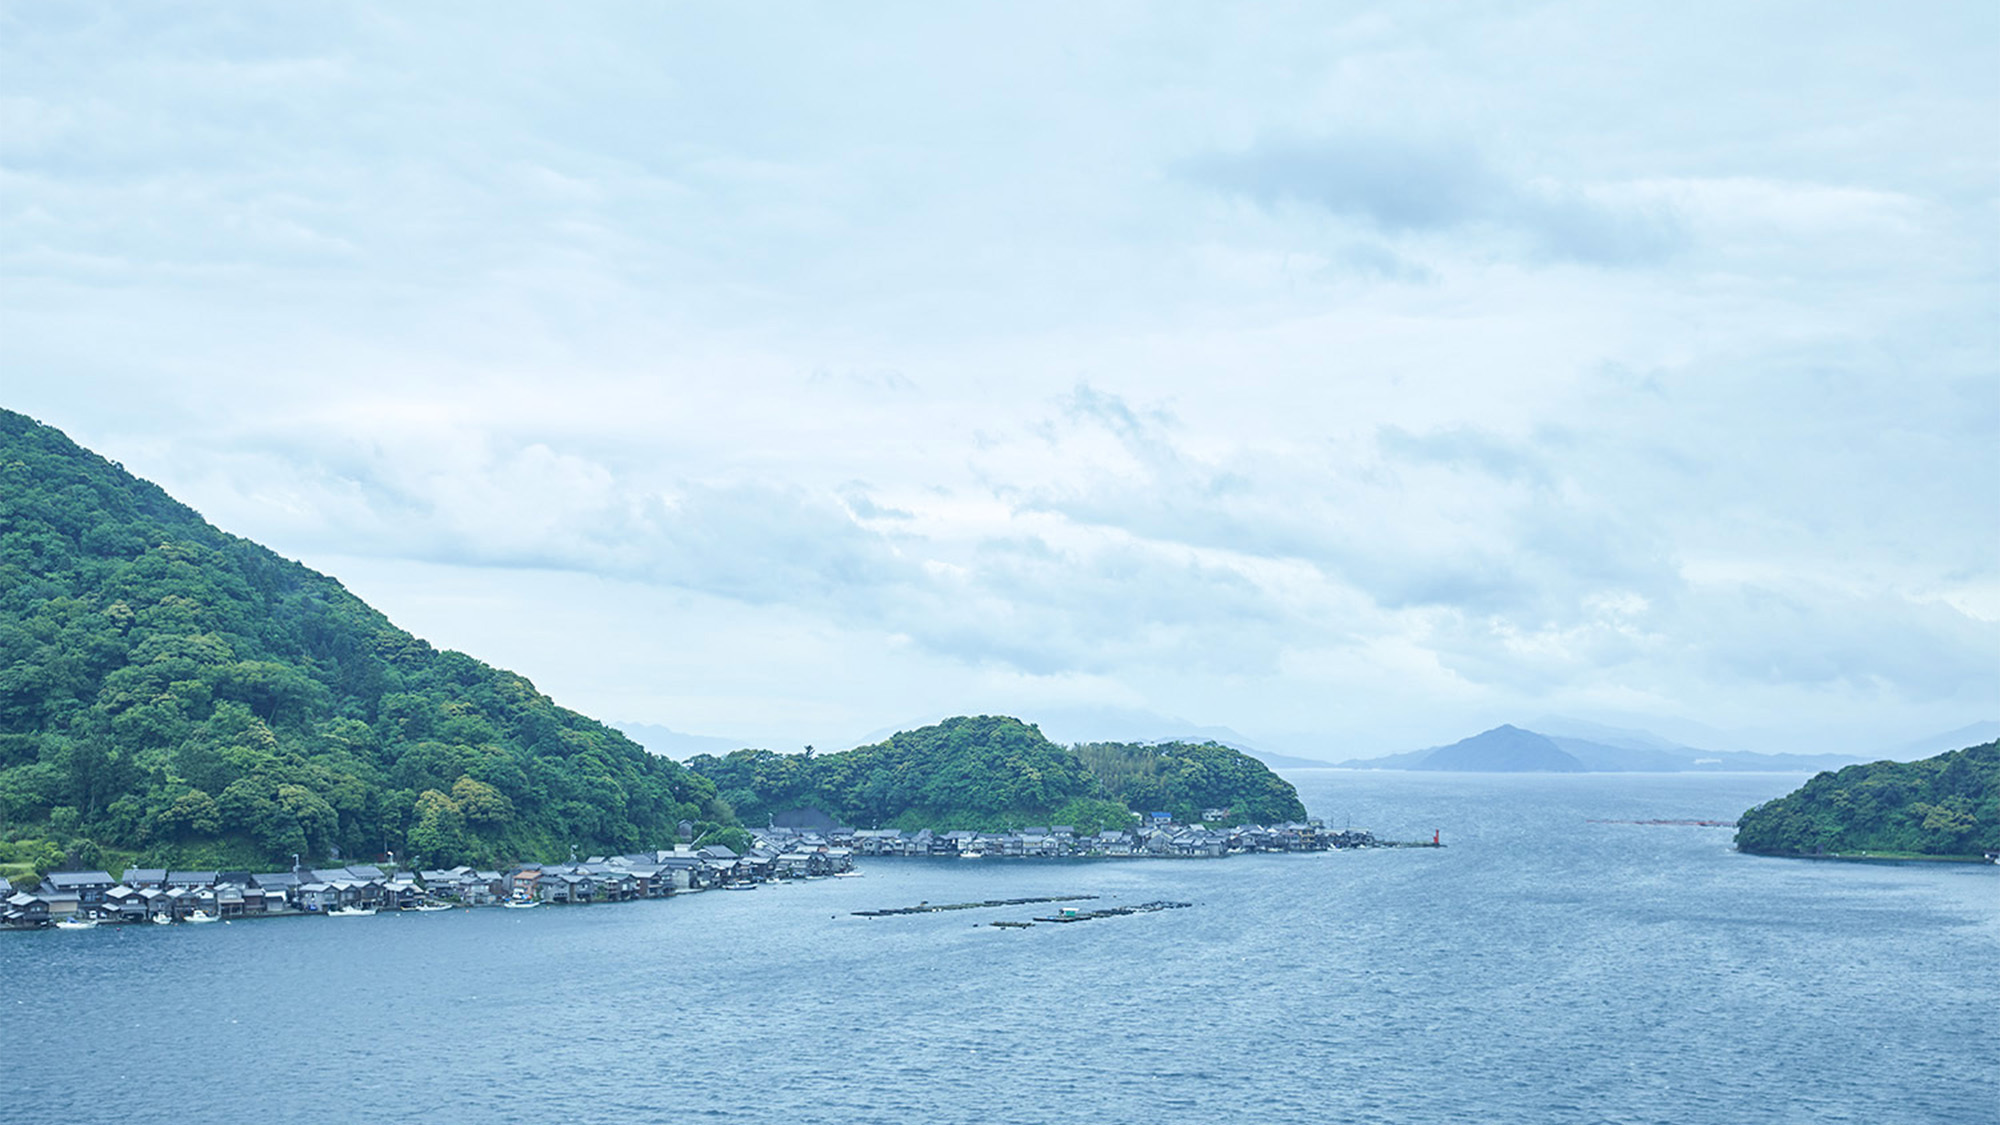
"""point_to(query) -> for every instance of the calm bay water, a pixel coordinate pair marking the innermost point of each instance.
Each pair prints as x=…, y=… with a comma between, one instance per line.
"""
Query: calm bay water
x=1539, y=969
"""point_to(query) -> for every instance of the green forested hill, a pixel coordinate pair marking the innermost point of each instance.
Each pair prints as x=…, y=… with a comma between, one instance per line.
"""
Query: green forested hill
x=1946, y=805
x=993, y=772
x=1186, y=778
x=178, y=692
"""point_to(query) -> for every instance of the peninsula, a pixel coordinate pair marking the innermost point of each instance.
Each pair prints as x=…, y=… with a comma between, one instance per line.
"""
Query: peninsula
x=996, y=772
x=1944, y=807
x=174, y=696
x=176, y=699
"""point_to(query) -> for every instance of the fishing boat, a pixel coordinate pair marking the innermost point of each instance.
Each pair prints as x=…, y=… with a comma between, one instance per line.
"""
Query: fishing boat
x=431, y=907
x=739, y=886
x=200, y=916
x=162, y=920
x=847, y=874
x=77, y=924
x=351, y=912
x=520, y=904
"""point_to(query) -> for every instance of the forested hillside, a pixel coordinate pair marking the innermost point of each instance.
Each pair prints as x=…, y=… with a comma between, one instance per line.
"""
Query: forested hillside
x=1186, y=779
x=1946, y=805
x=189, y=696
x=993, y=772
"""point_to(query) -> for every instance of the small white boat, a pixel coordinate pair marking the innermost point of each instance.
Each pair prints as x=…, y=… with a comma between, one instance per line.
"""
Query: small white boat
x=351, y=912
x=200, y=916
x=971, y=855
x=739, y=886
x=847, y=874
x=520, y=904
x=431, y=907
x=162, y=920
x=77, y=924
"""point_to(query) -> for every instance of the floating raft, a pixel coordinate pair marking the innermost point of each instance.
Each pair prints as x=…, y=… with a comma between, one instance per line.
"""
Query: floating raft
x=928, y=908
x=1113, y=912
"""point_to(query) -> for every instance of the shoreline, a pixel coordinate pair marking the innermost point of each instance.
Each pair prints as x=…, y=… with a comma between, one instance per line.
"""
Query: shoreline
x=1874, y=857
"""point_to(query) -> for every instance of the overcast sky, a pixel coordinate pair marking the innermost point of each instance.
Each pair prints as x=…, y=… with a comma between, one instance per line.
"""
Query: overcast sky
x=1352, y=376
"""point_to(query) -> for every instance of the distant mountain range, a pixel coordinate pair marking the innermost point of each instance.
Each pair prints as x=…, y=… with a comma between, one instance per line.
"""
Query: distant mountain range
x=1971, y=735
x=1510, y=749
x=1551, y=744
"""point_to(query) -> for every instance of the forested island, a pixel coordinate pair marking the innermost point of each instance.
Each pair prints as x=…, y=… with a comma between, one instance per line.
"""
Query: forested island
x=173, y=696
x=994, y=772
x=1946, y=806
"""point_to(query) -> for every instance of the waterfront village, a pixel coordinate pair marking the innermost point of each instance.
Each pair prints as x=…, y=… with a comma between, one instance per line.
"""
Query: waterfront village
x=802, y=845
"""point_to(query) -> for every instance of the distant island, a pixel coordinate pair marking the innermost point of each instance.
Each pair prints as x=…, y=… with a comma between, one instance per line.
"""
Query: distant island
x=1511, y=749
x=1946, y=806
x=994, y=772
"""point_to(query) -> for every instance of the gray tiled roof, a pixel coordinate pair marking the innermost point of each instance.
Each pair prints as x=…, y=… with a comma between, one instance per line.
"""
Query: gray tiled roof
x=63, y=879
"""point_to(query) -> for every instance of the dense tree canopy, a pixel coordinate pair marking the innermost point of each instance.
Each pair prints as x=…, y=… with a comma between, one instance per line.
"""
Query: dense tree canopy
x=1947, y=805
x=176, y=691
x=1186, y=779
x=993, y=772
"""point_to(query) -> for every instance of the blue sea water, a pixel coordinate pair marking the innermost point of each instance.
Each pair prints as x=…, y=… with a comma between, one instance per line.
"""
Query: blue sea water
x=1540, y=968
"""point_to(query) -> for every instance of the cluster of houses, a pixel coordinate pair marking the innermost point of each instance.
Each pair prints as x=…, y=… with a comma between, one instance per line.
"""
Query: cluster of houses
x=806, y=848
x=154, y=894
x=1158, y=837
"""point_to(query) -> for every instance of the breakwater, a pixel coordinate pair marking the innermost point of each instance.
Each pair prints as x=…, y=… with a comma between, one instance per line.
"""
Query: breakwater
x=928, y=908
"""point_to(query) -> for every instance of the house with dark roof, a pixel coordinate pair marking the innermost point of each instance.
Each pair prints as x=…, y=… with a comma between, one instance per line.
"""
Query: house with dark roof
x=140, y=878
x=61, y=904
x=22, y=910
x=686, y=871
x=281, y=890
x=128, y=903
x=89, y=887
x=159, y=903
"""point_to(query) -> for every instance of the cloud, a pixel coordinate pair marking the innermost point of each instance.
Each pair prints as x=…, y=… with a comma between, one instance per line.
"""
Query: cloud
x=1470, y=382
x=1403, y=185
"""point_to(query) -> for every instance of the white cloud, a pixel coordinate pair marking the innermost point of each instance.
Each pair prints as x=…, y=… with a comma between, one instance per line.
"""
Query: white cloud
x=1339, y=373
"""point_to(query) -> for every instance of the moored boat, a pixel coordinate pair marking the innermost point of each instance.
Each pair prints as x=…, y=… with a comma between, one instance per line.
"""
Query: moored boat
x=351, y=912
x=77, y=924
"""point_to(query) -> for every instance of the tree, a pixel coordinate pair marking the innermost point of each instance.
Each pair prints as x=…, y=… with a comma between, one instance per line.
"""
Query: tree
x=439, y=830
